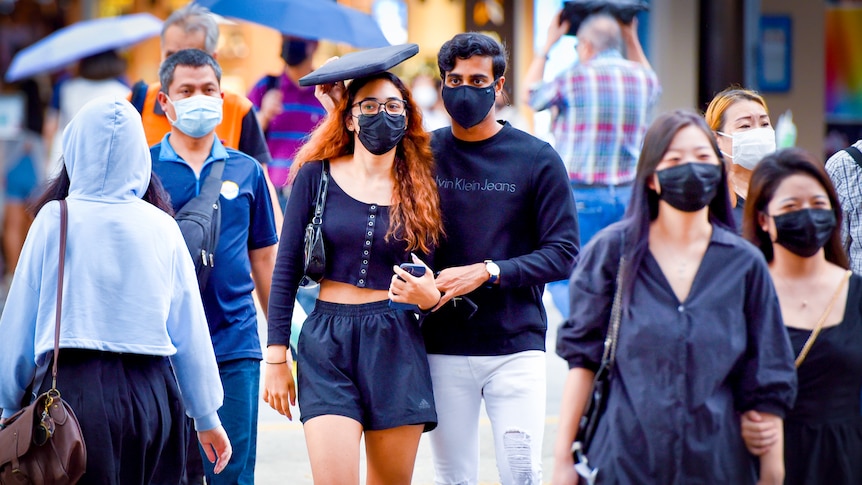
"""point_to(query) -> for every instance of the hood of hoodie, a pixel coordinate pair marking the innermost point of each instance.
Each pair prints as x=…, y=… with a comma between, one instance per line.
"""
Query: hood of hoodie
x=105, y=151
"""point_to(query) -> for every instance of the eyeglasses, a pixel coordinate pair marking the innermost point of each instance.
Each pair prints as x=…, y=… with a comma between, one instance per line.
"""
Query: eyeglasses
x=371, y=106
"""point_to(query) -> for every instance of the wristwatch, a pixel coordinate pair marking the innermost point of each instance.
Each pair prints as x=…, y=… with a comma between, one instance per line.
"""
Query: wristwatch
x=493, y=270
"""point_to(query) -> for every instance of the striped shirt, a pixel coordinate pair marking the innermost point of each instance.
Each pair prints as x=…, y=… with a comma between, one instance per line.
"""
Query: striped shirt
x=846, y=175
x=289, y=130
x=602, y=108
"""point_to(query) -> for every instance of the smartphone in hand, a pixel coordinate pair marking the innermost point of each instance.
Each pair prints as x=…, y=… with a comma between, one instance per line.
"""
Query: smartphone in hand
x=416, y=270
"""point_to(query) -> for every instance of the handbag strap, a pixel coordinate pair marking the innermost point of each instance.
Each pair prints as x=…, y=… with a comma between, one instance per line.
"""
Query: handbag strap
x=320, y=203
x=610, y=351
x=814, y=333
x=64, y=217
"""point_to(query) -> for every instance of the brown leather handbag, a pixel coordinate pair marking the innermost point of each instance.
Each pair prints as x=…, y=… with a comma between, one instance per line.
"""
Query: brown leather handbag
x=43, y=443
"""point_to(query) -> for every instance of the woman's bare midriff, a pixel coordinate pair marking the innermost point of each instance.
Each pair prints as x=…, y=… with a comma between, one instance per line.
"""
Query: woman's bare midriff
x=337, y=292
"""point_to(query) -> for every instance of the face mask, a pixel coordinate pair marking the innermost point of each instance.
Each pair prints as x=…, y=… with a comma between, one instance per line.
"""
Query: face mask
x=805, y=231
x=425, y=96
x=750, y=146
x=468, y=105
x=197, y=116
x=689, y=187
x=381, y=132
x=294, y=52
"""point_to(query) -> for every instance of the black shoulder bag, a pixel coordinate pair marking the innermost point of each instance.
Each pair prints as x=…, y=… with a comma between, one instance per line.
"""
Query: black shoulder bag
x=200, y=223
x=315, y=253
x=601, y=387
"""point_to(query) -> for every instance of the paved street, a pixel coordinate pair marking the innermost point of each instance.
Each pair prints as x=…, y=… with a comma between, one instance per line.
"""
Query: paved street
x=282, y=457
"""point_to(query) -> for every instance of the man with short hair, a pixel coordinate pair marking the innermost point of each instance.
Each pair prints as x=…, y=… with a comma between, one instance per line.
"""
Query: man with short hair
x=191, y=98
x=601, y=106
x=287, y=112
x=511, y=227
x=845, y=169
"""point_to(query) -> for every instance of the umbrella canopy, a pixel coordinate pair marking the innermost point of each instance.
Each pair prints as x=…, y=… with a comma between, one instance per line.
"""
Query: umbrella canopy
x=310, y=19
x=80, y=40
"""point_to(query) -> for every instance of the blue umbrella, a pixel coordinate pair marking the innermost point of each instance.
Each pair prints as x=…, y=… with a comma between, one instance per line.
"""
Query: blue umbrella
x=310, y=19
x=80, y=40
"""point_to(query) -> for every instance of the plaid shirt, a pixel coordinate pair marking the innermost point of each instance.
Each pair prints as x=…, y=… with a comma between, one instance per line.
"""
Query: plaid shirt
x=602, y=108
x=846, y=175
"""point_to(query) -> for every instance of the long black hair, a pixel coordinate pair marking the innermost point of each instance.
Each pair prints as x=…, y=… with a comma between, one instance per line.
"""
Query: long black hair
x=58, y=188
x=643, y=207
x=765, y=179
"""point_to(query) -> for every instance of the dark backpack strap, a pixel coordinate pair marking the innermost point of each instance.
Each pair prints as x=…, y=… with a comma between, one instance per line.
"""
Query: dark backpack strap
x=139, y=95
x=855, y=153
x=272, y=82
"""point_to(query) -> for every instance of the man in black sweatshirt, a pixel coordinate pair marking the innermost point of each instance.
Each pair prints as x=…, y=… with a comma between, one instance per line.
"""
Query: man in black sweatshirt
x=511, y=227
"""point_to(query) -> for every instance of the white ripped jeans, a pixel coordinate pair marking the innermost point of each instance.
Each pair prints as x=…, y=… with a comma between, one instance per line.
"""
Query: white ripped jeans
x=513, y=387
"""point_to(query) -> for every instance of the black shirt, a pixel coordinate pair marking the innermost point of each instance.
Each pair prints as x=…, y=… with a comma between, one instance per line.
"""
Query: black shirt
x=684, y=369
x=507, y=199
x=353, y=235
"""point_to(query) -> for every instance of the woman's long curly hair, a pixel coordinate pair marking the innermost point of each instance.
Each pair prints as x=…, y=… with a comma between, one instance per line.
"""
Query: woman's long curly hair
x=414, y=215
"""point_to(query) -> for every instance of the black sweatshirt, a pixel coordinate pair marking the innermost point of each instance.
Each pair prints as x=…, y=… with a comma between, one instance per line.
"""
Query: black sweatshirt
x=507, y=199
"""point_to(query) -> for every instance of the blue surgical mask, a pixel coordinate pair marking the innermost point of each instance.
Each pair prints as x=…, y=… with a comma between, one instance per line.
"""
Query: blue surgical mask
x=197, y=116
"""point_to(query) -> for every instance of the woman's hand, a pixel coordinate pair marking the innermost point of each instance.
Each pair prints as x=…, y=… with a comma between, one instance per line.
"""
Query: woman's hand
x=759, y=432
x=216, y=445
x=564, y=471
x=421, y=291
x=330, y=94
x=279, y=389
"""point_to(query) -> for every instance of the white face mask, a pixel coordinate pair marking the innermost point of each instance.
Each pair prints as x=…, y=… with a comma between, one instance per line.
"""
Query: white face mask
x=425, y=96
x=197, y=116
x=750, y=146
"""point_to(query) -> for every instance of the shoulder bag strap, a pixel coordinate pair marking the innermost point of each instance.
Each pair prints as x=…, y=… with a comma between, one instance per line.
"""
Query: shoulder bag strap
x=610, y=351
x=320, y=203
x=855, y=153
x=814, y=333
x=64, y=217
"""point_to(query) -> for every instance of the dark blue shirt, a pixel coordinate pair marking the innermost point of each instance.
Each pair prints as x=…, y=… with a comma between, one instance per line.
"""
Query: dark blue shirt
x=684, y=370
x=246, y=223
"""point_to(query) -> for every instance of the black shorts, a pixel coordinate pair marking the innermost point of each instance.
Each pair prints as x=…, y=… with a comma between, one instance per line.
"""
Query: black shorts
x=366, y=362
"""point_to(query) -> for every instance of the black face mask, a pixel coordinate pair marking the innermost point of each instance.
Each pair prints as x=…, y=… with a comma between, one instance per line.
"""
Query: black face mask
x=294, y=52
x=381, y=132
x=689, y=187
x=468, y=105
x=805, y=231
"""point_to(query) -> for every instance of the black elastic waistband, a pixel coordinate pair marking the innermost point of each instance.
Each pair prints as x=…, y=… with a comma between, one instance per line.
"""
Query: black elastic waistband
x=349, y=309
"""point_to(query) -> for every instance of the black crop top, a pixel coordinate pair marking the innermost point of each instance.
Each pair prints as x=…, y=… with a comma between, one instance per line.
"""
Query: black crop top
x=354, y=237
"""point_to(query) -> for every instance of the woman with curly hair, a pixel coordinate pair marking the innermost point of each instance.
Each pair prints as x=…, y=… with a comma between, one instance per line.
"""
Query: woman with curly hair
x=362, y=366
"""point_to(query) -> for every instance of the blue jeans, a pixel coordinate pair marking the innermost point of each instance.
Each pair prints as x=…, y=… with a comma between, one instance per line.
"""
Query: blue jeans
x=598, y=207
x=241, y=381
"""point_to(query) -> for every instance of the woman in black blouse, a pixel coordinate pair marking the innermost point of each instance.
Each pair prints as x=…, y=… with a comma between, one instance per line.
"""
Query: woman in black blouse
x=793, y=217
x=362, y=366
x=700, y=338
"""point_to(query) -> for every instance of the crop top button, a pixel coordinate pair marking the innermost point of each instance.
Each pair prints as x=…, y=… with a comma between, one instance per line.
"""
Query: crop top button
x=370, y=223
x=364, y=261
x=362, y=271
x=368, y=243
x=369, y=233
x=371, y=216
x=373, y=207
x=365, y=253
x=361, y=282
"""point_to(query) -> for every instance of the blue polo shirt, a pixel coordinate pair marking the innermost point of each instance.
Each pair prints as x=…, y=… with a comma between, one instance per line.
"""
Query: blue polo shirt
x=246, y=223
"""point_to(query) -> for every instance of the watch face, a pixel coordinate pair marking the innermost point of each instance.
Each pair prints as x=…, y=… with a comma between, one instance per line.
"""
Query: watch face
x=492, y=268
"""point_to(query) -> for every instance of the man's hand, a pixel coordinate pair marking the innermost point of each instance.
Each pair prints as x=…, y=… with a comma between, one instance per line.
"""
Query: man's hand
x=217, y=447
x=460, y=280
x=279, y=389
x=330, y=94
x=271, y=105
x=556, y=31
